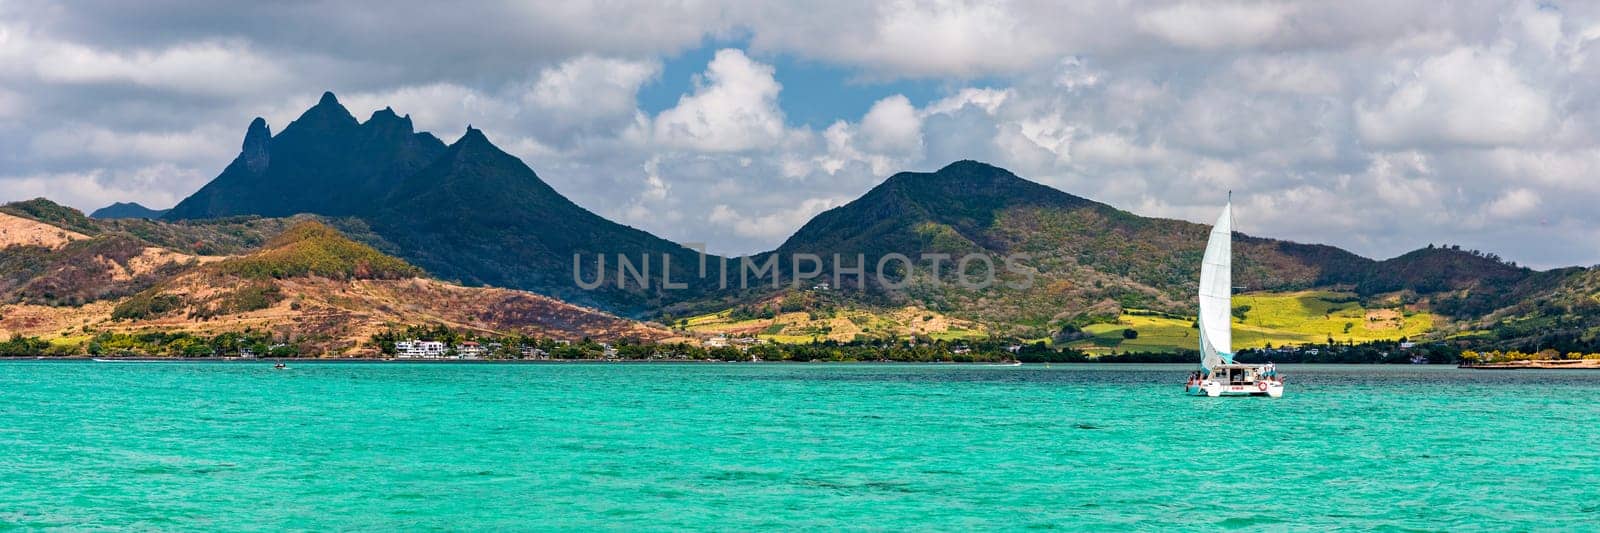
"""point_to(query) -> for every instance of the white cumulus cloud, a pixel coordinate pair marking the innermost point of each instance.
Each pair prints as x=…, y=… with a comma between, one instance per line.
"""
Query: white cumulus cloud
x=892, y=125
x=734, y=108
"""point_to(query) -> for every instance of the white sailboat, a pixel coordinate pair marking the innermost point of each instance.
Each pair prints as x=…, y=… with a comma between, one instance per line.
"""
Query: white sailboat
x=1219, y=375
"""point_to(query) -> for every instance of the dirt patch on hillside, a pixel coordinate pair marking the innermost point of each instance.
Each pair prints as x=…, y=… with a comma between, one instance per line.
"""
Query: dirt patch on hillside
x=1385, y=319
x=148, y=262
x=922, y=322
x=153, y=258
x=842, y=329
x=18, y=231
x=49, y=321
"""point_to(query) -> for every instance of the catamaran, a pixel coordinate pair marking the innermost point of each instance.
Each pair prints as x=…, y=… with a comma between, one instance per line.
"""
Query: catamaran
x=1219, y=375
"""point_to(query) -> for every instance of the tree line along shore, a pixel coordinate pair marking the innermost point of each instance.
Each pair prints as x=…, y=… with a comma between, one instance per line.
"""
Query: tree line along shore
x=386, y=345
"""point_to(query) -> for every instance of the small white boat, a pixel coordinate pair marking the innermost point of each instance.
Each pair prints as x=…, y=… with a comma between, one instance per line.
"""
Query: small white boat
x=1236, y=380
x=1219, y=375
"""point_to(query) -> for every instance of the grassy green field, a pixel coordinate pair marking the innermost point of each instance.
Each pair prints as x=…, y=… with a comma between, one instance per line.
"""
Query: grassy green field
x=1275, y=319
x=1323, y=315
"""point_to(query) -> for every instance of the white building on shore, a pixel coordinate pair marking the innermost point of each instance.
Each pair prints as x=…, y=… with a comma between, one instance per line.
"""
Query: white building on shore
x=470, y=350
x=415, y=349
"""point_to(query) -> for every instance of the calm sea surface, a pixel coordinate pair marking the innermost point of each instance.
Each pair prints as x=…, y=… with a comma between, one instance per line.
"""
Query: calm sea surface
x=339, y=446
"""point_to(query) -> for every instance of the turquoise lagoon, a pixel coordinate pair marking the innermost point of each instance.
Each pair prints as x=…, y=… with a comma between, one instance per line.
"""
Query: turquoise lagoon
x=340, y=446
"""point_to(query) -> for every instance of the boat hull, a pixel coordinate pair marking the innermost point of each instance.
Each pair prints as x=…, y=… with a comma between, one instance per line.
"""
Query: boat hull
x=1213, y=389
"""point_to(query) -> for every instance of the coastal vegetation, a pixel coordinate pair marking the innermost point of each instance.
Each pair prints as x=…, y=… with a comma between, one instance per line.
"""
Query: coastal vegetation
x=1373, y=352
x=914, y=350
x=1497, y=356
x=250, y=343
x=262, y=343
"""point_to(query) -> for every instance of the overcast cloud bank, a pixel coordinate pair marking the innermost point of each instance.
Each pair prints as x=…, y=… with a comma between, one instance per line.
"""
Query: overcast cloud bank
x=1376, y=126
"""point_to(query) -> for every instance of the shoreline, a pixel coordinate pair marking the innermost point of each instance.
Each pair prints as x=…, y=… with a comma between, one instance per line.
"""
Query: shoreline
x=1514, y=365
x=377, y=360
x=1540, y=364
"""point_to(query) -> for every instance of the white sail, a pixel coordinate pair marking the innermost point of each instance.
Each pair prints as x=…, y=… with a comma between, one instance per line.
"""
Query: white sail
x=1216, y=294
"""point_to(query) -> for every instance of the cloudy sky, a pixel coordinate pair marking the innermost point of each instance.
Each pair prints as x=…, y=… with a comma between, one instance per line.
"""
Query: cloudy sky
x=1379, y=126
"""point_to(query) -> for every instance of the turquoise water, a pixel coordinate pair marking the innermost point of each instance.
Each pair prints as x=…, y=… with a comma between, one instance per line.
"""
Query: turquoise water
x=736, y=446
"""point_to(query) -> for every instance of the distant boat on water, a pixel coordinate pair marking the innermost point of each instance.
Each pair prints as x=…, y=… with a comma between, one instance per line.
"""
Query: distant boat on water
x=1219, y=375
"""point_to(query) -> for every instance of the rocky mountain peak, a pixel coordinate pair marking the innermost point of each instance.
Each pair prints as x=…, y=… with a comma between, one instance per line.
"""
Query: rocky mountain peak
x=255, y=152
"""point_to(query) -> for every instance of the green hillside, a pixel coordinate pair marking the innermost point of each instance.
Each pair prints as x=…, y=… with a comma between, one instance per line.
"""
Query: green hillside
x=1089, y=261
x=126, y=256
x=311, y=248
x=1565, y=317
x=247, y=282
x=52, y=213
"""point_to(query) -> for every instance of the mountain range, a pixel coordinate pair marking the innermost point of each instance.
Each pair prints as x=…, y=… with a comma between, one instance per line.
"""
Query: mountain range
x=127, y=210
x=471, y=213
x=1087, y=252
x=467, y=212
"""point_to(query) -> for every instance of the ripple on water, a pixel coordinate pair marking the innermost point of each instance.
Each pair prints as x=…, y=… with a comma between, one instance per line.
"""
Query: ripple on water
x=338, y=446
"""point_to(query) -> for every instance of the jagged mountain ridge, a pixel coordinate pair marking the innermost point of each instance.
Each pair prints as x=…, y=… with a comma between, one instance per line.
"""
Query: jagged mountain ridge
x=325, y=163
x=468, y=211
